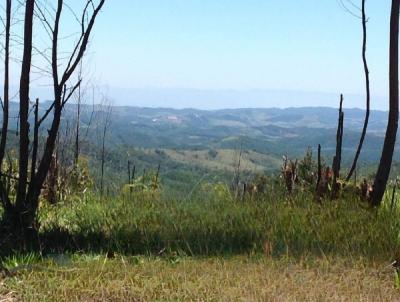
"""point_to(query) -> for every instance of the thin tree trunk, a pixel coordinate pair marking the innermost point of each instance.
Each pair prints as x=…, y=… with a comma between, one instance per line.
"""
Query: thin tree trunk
x=76, y=153
x=3, y=190
x=338, y=156
x=78, y=120
x=103, y=150
x=383, y=172
x=60, y=95
x=24, y=106
x=319, y=173
x=339, y=138
x=368, y=93
x=106, y=125
x=35, y=143
x=36, y=185
x=4, y=129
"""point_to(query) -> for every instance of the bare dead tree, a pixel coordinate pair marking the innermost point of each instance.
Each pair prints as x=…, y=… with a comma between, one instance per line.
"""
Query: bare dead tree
x=339, y=137
x=92, y=114
x=106, y=122
x=385, y=164
x=24, y=89
x=337, y=159
x=78, y=118
x=368, y=93
x=319, y=172
x=6, y=88
x=35, y=143
x=23, y=212
x=61, y=93
x=5, y=104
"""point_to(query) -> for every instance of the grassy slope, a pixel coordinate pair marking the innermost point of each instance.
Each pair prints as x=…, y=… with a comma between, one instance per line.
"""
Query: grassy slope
x=214, y=279
x=211, y=249
x=212, y=223
x=226, y=159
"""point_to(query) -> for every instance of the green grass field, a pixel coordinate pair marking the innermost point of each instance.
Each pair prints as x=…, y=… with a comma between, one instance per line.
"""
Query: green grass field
x=210, y=247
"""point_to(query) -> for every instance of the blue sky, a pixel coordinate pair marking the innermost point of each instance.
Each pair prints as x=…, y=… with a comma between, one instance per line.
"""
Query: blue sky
x=219, y=45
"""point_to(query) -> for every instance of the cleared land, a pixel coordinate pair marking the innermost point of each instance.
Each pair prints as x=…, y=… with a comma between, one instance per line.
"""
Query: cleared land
x=226, y=159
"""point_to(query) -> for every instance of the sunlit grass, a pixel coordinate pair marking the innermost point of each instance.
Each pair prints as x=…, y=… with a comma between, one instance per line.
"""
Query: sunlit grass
x=240, y=278
x=208, y=247
x=215, y=224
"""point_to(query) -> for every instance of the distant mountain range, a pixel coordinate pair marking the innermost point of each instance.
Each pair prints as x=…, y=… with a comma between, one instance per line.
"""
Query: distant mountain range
x=271, y=131
x=188, y=139
x=208, y=99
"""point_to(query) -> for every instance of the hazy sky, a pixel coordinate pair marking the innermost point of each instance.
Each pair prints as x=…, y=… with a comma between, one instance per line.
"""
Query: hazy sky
x=280, y=45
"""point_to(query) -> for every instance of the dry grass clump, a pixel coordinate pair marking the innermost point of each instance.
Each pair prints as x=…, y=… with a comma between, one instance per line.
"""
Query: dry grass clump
x=210, y=279
x=7, y=297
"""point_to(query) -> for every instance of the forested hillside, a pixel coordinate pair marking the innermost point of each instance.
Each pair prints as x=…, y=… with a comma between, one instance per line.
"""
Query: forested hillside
x=201, y=142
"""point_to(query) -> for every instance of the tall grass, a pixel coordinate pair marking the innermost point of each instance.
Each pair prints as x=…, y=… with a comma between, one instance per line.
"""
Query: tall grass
x=212, y=223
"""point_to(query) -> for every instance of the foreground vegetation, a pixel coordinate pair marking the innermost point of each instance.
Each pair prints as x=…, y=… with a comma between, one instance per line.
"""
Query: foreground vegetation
x=211, y=222
x=91, y=278
x=144, y=246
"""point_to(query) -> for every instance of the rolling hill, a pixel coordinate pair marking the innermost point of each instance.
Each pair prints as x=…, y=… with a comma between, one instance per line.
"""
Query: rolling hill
x=190, y=143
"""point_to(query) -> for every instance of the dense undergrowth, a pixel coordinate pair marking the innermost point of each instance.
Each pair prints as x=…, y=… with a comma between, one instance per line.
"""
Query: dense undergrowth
x=211, y=222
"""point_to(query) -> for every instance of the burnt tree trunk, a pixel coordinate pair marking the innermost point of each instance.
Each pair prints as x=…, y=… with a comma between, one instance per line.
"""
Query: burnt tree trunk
x=3, y=141
x=337, y=159
x=60, y=94
x=78, y=121
x=384, y=167
x=106, y=125
x=6, y=101
x=319, y=172
x=21, y=204
x=35, y=144
x=368, y=93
